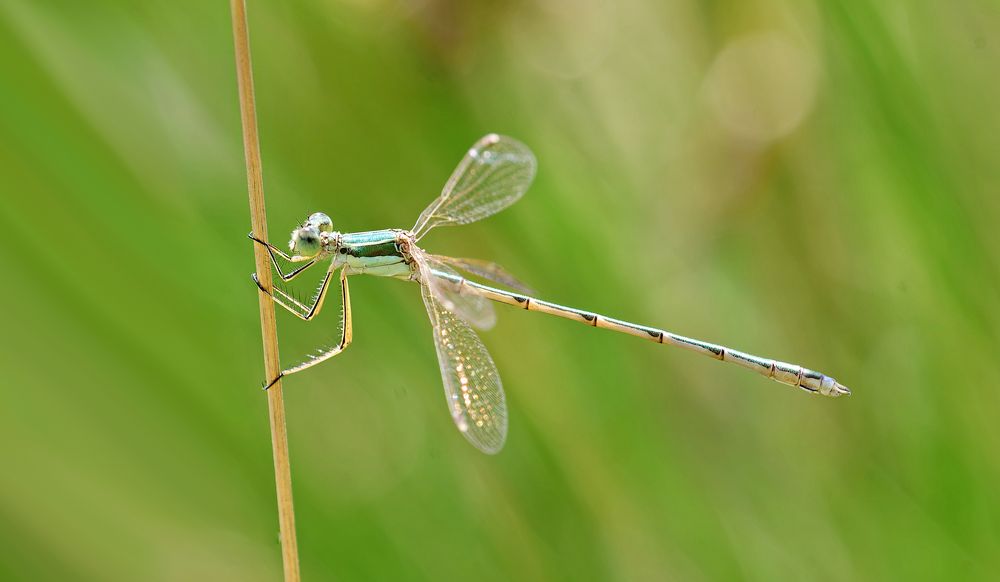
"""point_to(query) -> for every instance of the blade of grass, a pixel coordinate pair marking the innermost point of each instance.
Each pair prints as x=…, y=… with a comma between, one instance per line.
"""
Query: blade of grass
x=258, y=219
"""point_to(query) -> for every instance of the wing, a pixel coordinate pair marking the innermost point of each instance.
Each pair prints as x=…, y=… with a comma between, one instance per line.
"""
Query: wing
x=493, y=175
x=452, y=295
x=472, y=384
x=487, y=270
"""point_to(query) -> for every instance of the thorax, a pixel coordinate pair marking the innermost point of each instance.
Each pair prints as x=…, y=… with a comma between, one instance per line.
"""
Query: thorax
x=375, y=252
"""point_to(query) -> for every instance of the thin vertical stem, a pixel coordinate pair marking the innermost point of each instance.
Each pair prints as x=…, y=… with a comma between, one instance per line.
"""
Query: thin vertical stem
x=258, y=219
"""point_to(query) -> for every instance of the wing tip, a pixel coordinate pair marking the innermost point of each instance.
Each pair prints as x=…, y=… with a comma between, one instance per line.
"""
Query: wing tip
x=489, y=448
x=494, y=441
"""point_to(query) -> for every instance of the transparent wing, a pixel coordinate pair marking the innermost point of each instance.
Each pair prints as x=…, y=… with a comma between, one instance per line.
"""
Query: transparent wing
x=487, y=270
x=472, y=384
x=493, y=175
x=452, y=295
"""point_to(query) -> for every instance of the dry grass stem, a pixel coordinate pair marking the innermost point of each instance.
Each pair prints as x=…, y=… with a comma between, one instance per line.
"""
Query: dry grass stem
x=258, y=218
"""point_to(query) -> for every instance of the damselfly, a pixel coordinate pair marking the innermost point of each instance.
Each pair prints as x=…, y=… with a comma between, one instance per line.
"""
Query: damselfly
x=494, y=174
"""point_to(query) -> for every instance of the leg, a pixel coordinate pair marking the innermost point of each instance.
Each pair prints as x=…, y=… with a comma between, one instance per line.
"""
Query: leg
x=345, y=338
x=273, y=251
x=300, y=310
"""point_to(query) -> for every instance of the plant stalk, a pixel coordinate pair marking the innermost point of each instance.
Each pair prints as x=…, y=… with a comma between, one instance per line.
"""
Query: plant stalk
x=269, y=332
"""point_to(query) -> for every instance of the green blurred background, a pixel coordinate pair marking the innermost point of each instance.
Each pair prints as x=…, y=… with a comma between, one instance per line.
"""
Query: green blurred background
x=810, y=181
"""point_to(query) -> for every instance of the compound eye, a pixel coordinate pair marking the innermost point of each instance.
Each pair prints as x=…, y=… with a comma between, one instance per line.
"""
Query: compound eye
x=320, y=221
x=305, y=242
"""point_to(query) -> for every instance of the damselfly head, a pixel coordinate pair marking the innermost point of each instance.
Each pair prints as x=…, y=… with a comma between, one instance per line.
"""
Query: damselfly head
x=310, y=238
x=305, y=241
x=320, y=221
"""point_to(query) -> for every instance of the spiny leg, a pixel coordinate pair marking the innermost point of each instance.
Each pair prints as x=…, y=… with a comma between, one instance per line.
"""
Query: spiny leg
x=279, y=295
x=273, y=251
x=272, y=248
x=307, y=312
x=345, y=339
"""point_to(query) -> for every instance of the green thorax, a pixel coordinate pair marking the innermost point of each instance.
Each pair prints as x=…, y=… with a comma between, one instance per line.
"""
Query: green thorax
x=375, y=252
